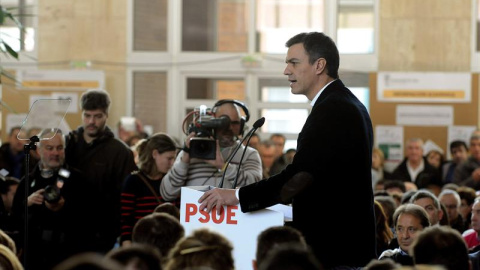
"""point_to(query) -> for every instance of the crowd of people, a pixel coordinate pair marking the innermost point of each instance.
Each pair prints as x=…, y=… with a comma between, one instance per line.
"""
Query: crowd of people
x=99, y=199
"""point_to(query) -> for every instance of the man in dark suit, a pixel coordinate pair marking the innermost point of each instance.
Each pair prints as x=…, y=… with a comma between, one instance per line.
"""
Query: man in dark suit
x=334, y=153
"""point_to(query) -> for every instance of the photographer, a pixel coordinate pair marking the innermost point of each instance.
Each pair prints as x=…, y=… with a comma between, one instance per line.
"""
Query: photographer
x=54, y=207
x=189, y=171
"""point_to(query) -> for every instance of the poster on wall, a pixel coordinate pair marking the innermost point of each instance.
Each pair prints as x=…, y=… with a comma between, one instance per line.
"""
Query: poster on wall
x=431, y=87
x=461, y=133
x=423, y=115
x=390, y=140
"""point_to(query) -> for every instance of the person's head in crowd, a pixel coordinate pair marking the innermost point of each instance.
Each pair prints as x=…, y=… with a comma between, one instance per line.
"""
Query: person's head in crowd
x=132, y=140
x=384, y=232
x=395, y=186
x=137, y=256
x=476, y=215
x=378, y=159
x=380, y=185
x=267, y=154
x=272, y=237
x=430, y=203
x=407, y=196
x=7, y=241
x=445, y=220
x=409, y=219
x=88, y=261
x=385, y=264
x=279, y=140
x=458, y=151
x=202, y=248
x=95, y=104
x=435, y=158
x=451, y=186
x=414, y=151
x=8, y=259
x=441, y=245
x=388, y=205
x=160, y=230
x=51, y=151
x=156, y=155
x=254, y=141
x=8, y=187
x=451, y=200
x=290, y=154
x=169, y=208
x=474, y=148
x=289, y=256
x=467, y=197
x=16, y=145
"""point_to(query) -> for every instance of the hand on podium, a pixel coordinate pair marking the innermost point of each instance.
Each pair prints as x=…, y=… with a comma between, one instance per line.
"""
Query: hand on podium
x=218, y=197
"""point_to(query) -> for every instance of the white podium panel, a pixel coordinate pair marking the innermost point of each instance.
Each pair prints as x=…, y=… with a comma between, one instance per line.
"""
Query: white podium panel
x=240, y=228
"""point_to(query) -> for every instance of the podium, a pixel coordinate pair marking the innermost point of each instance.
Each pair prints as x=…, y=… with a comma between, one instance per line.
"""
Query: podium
x=240, y=228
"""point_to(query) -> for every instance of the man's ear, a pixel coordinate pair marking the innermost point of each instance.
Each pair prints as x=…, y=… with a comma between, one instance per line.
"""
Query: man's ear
x=320, y=65
x=254, y=264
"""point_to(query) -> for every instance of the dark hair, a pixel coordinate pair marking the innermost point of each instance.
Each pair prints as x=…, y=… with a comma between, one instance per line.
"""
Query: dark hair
x=441, y=245
x=161, y=230
x=95, y=99
x=275, y=236
x=395, y=184
x=318, y=45
x=423, y=193
x=290, y=256
x=5, y=184
x=168, y=208
x=467, y=193
x=458, y=143
x=161, y=142
x=414, y=210
x=150, y=256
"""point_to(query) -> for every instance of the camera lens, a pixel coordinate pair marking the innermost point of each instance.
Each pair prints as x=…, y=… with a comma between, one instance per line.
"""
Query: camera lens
x=51, y=194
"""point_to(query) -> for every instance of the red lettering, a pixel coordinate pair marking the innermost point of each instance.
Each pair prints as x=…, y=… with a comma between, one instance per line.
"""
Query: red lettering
x=218, y=219
x=206, y=217
x=230, y=214
x=190, y=210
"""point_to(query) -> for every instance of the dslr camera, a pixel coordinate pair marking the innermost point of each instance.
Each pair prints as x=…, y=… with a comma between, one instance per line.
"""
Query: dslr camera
x=53, y=193
x=204, y=123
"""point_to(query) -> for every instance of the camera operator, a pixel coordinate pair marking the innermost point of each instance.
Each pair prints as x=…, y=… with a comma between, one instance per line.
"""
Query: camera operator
x=54, y=205
x=188, y=171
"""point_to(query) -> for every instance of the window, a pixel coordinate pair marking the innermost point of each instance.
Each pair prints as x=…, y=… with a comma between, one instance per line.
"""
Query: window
x=23, y=11
x=150, y=25
x=355, y=31
x=278, y=20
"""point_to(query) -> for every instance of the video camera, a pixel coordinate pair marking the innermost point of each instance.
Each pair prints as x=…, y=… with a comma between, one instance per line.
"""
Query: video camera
x=204, y=123
x=53, y=193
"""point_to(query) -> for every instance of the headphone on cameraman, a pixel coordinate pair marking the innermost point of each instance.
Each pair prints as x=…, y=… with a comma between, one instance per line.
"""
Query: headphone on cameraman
x=243, y=119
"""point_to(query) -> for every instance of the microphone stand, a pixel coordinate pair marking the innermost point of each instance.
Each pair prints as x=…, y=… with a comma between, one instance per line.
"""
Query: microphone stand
x=241, y=160
x=26, y=150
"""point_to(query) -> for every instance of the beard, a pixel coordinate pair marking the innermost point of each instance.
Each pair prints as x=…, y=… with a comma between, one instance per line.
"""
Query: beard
x=226, y=139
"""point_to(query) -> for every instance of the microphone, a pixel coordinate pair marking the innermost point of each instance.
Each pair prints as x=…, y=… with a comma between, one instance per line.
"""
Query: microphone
x=256, y=126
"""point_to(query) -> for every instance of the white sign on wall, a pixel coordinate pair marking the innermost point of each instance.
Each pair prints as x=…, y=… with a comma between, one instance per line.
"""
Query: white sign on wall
x=420, y=115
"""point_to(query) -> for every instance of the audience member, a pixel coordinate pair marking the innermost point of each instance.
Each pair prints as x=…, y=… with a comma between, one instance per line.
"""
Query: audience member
x=384, y=231
x=272, y=237
x=139, y=195
x=160, y=230
x=407, y=196
x=267, y=155
x=475, y=259
x=414, y=168
x=290, y=256
x=169, y=208
x=385, y=264
x=203, y=248
x=467, y=197
x=378, y=168
x=12, y=154
x=137, y=256
x=129, y=128
x=467, y=173
x=435, y=158
x=9, y=260
x=451, y=200
x=471, y=236
x=105, y=162
x=281, y=158
x=88, y=261
x=459, y=153
x=445, y=220
x=7, y=241
x=388, y=205
x=254, y=141
x=409, y=219
x=451, y=186
x=8, y=187
x=441, y=245
x=188, y=171
x=430, y=203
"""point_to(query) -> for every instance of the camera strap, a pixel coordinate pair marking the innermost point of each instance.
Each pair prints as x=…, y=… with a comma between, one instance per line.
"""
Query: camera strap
x=149, y=186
